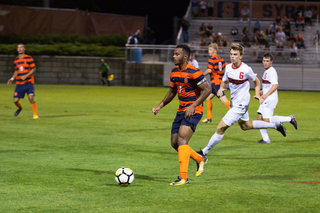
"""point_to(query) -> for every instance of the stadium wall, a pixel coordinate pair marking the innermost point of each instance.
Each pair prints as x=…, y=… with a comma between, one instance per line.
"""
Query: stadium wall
x=84, y=71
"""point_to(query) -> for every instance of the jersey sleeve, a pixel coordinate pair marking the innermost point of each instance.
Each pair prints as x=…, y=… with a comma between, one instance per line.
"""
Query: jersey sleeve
x=251, y=74
x=273, y=77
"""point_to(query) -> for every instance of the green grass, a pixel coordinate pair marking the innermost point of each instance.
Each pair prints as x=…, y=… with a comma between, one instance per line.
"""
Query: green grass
x=65, y=161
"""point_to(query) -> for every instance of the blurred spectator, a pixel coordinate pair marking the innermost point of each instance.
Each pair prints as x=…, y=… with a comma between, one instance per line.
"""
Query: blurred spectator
x=218, y=38
x=286, y=26
x=280, y=51
x=209, y=30
x=255, y=37
x=211, y=40
x=150, y=37
x=195, y=8
x=263, y=39
x=308, y=16
x=293, y=51
x=300, y=41
x=185, y=29
x=291, y=39
x=278, y=21
x=270, y=35
x=210, y=7
x=203, y=30
x=245, y=37
x=133, y=39
x=224, y=42
x=257, y=25
x=203, y=8
x=202, y=45
x=274, y=28
x=138, y=36
x=193, y=61
x=280, y=38
x=300, y=21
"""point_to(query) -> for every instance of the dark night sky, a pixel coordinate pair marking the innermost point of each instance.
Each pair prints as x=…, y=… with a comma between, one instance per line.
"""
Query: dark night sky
x=160, y=13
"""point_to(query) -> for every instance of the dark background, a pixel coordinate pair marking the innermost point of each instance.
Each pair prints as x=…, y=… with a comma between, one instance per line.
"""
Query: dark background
x=160, y=13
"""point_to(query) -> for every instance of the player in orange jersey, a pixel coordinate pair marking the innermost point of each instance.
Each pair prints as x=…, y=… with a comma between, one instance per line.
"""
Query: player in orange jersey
x=215, y=68
x=24, y=70
x=192, y=89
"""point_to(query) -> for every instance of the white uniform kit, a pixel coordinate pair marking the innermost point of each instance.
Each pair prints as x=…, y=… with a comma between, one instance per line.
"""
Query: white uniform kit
x=239, y=89
x=269, y=78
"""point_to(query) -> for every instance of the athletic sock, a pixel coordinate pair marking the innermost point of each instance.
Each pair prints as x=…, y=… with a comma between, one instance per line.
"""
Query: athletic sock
x=276, y=119
x=262, y=125
x=212, y=142
x=195, y=156
x=19, y=105
x=34, y=108
x=264, y=134
x=184, y=155
x=227, y=104
x=209, y=109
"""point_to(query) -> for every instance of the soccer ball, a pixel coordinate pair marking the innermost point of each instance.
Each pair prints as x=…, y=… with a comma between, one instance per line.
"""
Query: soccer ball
x=124, y=176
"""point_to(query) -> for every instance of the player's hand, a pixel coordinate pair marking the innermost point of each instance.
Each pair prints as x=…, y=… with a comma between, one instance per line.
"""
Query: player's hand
x=23, y=77
x=9, y=81
x=261, y=100
x=220, y=91
x=189, y=111
x=155, y=110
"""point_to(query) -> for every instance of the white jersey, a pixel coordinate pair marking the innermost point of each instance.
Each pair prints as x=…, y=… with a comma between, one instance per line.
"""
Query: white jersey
x=239, y=84
x=194, y=63
x=269, y=78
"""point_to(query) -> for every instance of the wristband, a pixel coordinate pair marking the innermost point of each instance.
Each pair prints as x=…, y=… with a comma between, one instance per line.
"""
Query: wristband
x=11, y=79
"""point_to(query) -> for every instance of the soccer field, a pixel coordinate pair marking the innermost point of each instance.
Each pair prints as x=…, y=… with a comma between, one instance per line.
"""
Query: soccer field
x=65, y=161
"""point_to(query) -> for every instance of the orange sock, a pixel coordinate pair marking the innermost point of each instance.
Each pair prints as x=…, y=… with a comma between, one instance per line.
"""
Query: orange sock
x=195, y=156
x=184, y=155
x=34, y=108
x=19, y=105
x=209, y=109
x=227, y=104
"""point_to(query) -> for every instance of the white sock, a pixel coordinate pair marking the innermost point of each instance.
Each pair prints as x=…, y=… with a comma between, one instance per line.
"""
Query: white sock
x=276, y=119
x=264, y=134
x=213, y=141
x=263, y=125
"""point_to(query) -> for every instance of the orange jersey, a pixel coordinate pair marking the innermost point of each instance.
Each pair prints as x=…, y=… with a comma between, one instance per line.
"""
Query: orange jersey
x=187, y=82
x=217, y=65
x=23, y=66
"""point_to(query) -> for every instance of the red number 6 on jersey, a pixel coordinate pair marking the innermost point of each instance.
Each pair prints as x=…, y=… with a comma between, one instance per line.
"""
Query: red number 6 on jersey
x=241, y=75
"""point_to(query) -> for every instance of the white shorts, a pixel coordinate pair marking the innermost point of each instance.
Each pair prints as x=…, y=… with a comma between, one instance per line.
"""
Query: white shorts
x=266, y=109
x=236, y=114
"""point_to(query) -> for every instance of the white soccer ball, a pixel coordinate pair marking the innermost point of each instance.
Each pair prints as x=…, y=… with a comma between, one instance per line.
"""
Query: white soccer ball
x=124, y=176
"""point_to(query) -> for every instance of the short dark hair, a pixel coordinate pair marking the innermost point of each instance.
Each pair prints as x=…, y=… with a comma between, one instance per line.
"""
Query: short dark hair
x=268, y=55
x=185, y=48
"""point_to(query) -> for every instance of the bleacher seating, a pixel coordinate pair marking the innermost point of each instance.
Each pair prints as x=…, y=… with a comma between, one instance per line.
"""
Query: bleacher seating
x=224, y=26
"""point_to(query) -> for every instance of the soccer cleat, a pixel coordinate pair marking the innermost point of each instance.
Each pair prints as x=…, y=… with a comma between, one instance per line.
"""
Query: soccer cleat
x=201, y=164
x=207, y=120
x=179, y=181
x=262, y=141
x=17, y=112
x=281, y=128
x=35, y=116
x=294, y=121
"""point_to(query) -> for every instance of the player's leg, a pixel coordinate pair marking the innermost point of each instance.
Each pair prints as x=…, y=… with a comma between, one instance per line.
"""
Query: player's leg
x=18, y=94
x=284, y=119
x=31, y=94
x=223, y=98
x=264, y=113
x=247, y=125
x=209, y=109
x=225, y=101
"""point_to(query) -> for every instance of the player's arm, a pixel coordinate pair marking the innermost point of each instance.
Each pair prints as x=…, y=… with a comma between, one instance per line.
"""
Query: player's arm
x=272, y=90
x=207, y=72
x=223, y=87
x=12, y=78
x=257, y=84
x=33, y=70
x=205, y=91
x=167, y=99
